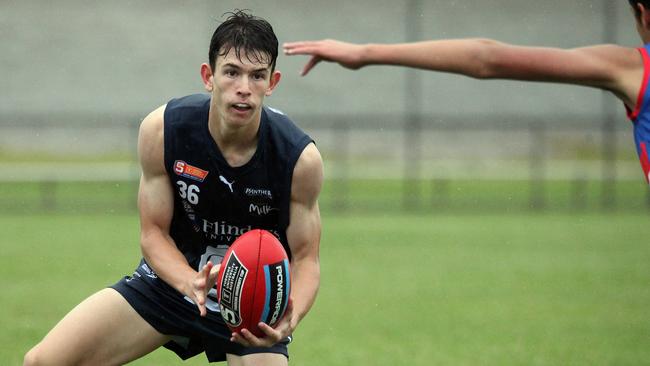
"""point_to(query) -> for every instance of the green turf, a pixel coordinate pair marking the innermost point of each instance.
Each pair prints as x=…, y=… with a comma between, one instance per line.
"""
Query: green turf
x=397, y=289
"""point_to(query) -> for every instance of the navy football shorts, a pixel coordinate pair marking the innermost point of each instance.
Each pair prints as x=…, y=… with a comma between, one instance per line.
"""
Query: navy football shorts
x=171, y=314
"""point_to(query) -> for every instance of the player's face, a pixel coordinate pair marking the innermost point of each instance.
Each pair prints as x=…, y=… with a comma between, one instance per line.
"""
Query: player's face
x=239, y=86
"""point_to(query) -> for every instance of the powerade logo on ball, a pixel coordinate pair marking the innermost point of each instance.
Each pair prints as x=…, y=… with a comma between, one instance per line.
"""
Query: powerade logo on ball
x=231, y=289
x=277, y=291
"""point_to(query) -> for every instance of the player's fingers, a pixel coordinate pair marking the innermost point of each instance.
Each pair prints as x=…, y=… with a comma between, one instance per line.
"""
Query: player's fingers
x=299, y=50
x=286, y=45
x=213, y=275
x=310, y=65
x=290, y=46
x=200, y=298
x=273, y=336
x=237, y=338
x=203, y=278
x=206, y=269
x=306, y=48
x=255, y=341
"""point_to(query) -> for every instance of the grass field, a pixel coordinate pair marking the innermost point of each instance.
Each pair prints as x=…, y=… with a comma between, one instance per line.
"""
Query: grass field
x=397, y=289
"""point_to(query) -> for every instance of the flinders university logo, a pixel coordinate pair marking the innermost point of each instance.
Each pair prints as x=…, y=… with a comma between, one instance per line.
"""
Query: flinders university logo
x=226, y=232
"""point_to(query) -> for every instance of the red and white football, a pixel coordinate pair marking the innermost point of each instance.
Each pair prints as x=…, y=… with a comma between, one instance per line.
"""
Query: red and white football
x=254, y=282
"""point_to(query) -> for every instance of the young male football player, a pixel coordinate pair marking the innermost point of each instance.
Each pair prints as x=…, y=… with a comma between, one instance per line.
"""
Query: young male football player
x=214, y=166
x=621, y=70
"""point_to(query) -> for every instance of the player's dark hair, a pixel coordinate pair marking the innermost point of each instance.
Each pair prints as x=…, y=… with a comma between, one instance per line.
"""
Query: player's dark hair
x=245, y=33
x=633, y=3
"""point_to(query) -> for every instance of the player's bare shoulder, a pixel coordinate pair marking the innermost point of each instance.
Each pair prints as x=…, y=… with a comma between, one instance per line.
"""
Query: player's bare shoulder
x=623, y=56
x=308, y=174
x=151, y=141
x=627, y=68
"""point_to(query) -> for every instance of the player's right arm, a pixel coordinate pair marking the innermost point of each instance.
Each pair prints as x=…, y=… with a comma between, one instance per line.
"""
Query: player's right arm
x=614, y=68
x=156, y=206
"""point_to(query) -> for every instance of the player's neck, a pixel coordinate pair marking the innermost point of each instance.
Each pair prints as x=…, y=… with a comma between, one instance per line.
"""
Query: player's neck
x=237, y=142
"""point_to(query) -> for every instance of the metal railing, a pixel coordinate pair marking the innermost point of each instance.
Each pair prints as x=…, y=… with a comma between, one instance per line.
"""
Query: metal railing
x=373, y=162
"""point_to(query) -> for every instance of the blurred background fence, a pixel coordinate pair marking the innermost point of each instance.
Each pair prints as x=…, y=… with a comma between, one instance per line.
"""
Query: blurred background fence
x=373, y=163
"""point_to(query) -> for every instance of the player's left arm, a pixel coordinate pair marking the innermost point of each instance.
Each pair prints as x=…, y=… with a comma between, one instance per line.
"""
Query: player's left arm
x=303, y=235
x=610, y=67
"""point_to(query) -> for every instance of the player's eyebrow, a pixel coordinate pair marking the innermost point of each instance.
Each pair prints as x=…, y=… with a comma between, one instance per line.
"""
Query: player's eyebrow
x=233, y=65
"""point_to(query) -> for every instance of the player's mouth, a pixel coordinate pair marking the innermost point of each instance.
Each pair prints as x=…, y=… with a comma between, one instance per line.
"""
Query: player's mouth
x=241, y=107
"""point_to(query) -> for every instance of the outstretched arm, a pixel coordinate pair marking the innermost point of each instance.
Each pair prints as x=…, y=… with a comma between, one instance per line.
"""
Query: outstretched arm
x=303, y=235
x=615, y=68
x=156, y=205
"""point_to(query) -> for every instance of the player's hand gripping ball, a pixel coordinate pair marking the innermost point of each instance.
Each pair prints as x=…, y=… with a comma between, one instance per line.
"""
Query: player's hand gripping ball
x=254, y=282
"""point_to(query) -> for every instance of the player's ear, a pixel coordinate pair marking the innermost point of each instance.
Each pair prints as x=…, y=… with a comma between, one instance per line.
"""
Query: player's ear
x=644, y=15
x=207, y=77
x=275, y=79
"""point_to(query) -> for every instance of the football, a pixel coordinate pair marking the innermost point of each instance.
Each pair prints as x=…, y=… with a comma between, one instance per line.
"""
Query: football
x=254, y=282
